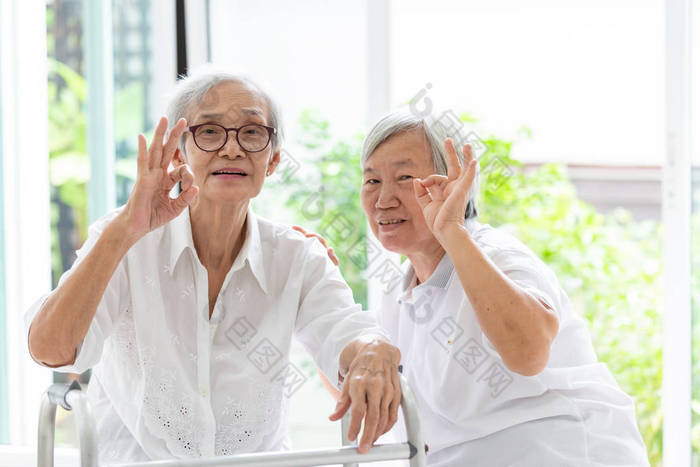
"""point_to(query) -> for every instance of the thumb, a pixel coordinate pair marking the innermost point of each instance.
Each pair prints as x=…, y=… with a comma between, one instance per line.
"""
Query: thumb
x=186, y=197
x=341, y=407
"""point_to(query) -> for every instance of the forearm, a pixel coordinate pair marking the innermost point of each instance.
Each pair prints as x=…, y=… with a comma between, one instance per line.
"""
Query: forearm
x=65, y=317
x=518, y=325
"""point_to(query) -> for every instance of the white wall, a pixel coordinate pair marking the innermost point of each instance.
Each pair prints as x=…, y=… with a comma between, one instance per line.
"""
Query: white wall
x=585, y=76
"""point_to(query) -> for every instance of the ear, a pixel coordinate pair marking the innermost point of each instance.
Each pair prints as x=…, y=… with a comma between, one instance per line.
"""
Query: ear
x=273, y=162
x=178, y=158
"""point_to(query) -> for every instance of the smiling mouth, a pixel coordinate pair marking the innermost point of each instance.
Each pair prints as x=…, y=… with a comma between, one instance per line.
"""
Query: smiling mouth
x=229, y=172
x=392, y=221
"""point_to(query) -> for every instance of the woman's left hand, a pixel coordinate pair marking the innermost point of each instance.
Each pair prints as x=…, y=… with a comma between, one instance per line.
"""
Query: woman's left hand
x=444, y=199
x=371, y=390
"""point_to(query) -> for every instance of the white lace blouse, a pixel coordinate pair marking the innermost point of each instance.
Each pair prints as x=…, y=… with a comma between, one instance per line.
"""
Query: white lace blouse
x=169, y=382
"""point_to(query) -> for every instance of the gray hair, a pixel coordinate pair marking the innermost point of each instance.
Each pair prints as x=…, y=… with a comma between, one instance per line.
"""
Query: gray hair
x=190, y=91
x=402, y=121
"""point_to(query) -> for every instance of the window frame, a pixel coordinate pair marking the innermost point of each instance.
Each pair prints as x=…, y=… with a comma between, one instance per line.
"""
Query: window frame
x=676, y=215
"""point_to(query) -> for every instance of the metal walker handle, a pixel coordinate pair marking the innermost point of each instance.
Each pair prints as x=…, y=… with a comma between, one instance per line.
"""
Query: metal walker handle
x=70, y=398
x=73, y=398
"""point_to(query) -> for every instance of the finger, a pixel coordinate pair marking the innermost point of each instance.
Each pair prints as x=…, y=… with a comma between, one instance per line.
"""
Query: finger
x=142, y=158
x=155, y=152
x=341, y=407
x=433, y=180
x=187, y=177
x=320, y=239
x=374, y=395
x=185, y=198
x=182, y=174
x=421, y=193
x=453, y=167
x=468, y=152
x=467, y=178
x=395, y=400
x=333, y=257
x=384, y=411
x=172, y=142
x=358, y=409
x=299, y=229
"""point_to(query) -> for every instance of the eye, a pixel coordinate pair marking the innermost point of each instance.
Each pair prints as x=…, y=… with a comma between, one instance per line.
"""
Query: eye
x=405, y=177
x=371, y=181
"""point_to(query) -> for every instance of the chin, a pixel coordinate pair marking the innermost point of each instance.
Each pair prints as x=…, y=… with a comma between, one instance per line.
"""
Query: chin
x=394, y=243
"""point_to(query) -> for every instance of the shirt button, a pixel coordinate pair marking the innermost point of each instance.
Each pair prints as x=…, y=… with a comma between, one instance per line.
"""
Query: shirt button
x=203, y=392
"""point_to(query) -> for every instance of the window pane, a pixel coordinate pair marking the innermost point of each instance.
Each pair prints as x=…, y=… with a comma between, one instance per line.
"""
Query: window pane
x=69, y=160
x=574, y=92
x=4, y=410
x=133, y=87
x=695, y=233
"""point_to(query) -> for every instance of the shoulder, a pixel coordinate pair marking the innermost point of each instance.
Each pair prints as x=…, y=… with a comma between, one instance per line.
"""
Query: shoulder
x=502, y=247
x=276, y=235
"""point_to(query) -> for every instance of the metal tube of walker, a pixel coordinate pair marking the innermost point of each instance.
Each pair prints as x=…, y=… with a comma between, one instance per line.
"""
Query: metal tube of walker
x=72, y=398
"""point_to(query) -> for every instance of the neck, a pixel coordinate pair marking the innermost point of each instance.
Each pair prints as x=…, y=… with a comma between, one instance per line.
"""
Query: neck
x=218, y=232
x=426, y=260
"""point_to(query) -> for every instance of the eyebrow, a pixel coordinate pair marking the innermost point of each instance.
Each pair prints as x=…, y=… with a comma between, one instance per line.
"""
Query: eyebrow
x=250, y=111
x=401, y=163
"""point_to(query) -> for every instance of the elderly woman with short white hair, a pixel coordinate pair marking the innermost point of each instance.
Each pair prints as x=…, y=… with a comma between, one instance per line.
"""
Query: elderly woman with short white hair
x=503, y=369
x=185, y=307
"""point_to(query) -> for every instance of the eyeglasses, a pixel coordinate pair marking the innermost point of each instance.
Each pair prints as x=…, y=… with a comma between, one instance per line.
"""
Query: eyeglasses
x=211, y=137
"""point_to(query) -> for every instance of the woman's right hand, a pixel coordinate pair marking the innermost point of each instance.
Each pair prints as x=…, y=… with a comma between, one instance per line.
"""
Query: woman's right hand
x=150, y=205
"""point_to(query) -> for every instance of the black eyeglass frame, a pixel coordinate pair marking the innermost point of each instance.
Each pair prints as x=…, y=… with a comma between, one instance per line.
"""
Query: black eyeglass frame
x=270, y=131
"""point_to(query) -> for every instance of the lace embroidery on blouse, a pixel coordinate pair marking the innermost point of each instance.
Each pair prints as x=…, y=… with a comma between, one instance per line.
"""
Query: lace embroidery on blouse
x=244, y=422
x=168, y=411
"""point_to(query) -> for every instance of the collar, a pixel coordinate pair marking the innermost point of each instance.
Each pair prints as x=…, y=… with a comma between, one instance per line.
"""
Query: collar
x=441, y=276
x=251, y=251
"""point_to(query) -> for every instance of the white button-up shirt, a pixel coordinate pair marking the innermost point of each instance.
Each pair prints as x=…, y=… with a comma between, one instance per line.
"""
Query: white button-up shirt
x=474, y=411
x=168, y=381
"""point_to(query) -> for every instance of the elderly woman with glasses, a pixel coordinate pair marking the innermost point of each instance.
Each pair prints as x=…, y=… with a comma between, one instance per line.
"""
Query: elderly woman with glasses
x=185, y=307
x=503, y=369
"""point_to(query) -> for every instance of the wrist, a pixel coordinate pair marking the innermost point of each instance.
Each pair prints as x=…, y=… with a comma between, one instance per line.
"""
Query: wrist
x=358, y=346
x=121, y=233
x=452, y=236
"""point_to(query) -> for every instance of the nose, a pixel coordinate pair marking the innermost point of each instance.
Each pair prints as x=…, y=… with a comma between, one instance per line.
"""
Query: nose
x=387, y=198
x=231, y=149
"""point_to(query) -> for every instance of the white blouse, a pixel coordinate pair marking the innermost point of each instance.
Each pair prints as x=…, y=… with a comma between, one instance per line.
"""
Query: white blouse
x=474, y=411
x=168, y=381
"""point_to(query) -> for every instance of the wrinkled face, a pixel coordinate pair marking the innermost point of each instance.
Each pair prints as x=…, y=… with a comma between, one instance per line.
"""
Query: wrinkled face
x=229, y=174
x=388, y=200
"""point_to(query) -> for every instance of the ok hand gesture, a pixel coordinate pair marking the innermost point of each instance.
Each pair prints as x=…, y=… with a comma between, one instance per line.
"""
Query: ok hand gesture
x=443, y=199
x=150, y=205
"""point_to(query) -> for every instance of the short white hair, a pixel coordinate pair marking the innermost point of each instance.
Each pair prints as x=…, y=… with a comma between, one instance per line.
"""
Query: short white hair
x=402, y=121
x=191, y=89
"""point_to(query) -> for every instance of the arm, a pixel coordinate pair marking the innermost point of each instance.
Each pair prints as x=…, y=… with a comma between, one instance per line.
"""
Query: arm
x=65, y=317
x=519, y=326
x=349, y=347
